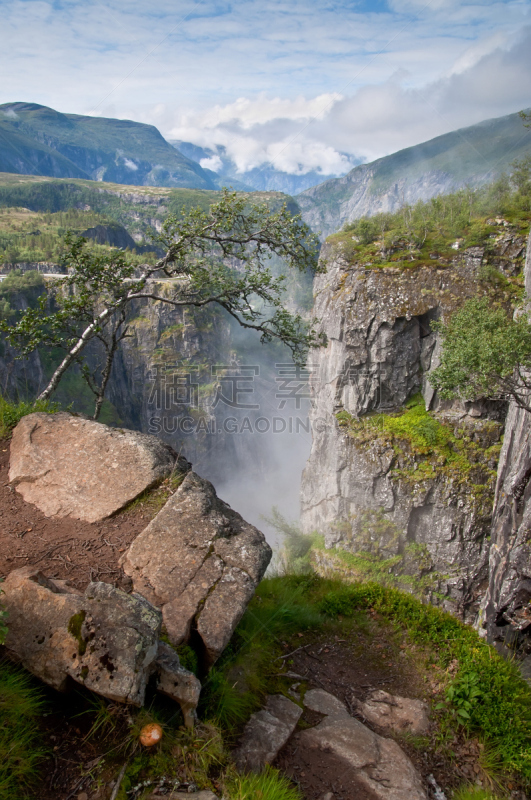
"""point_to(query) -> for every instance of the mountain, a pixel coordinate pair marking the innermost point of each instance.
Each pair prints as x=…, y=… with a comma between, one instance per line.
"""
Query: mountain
x=265, y=178
x=37, y=140
x=469, y=156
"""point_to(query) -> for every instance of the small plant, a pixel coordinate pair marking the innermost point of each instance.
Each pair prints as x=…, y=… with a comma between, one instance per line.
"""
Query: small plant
x=473, y=793
x=461, y=695
x=21, y=749
x=268, y=785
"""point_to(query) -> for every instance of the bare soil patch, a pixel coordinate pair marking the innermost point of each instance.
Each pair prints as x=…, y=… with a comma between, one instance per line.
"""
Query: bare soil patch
x=65, y=548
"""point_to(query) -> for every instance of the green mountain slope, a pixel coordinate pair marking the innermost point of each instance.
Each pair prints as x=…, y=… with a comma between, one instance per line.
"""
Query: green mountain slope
x=37, y=140
x=469, y=156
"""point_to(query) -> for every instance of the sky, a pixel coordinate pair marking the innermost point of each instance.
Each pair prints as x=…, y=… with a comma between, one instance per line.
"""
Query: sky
x=304, y=86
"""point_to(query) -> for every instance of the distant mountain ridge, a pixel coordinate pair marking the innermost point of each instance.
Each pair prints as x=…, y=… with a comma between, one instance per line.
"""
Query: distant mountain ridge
x=37, y=140
x=469, y=156
x=265, y=178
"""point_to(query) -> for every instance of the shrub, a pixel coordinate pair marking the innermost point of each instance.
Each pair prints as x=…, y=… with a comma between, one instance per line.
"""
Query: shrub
x=20, y=746
x=11, y=413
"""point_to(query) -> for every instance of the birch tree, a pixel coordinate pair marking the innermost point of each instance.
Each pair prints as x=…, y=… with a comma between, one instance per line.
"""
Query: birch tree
x=220, y=257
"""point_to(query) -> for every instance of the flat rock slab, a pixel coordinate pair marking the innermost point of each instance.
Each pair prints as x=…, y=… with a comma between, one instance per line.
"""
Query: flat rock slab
x=266, y=733
x=105, y=639
x=379, y=763
x=74, y=467
x=393, y=713
x=200, y=562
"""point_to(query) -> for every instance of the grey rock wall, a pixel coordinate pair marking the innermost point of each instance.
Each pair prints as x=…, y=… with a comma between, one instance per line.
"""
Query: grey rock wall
x=429, y=520
x=505, y=612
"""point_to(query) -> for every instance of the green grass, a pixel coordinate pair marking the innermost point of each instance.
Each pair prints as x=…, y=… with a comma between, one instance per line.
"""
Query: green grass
x=473, y=793
x=434, y=446
x=501, y=713
x=21, y=748
x=269, y=785
x=12, y=412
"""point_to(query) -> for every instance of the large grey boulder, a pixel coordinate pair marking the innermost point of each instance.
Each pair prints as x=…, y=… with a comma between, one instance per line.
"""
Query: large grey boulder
x=379, y=763
x=266, y=733
x=74, y=467
x=104, y=639
x=200, y=562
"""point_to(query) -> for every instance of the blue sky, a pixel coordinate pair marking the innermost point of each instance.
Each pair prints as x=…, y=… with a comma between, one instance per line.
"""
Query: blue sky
x=297, y=83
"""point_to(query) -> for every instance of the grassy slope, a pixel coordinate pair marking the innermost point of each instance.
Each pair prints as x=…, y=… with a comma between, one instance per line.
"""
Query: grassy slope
x=470, y=155
x=82, y=139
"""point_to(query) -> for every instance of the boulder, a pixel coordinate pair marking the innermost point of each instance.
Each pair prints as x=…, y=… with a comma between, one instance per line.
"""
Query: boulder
x=74, y=467
x=200, y=562
x=266, y=733
x=379, y=763
x=393, y=713
x=177, y=682
x=104, y=639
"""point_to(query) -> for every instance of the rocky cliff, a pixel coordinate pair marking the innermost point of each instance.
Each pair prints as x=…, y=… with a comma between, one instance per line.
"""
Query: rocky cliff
x=400, y=494
x=505, y=613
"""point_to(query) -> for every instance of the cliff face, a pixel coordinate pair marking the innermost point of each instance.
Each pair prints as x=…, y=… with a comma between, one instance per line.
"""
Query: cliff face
x=403, y=496
x=505, y=610
x=468, y=157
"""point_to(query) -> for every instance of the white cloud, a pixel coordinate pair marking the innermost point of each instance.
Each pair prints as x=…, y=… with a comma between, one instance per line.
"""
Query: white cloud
x=130, y=164
x=298, y=83
x=214, y=163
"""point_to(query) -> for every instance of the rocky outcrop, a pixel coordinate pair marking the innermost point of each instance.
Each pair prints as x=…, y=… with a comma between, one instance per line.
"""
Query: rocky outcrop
x=379, y=763
x=506, y=609
x=200, y=562
x=104, y=639
x=367, y=491
x=266, y=733
x=73, y=467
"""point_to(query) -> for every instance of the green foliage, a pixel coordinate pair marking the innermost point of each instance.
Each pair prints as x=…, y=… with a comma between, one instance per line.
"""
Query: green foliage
x=92, y=301
x=268, y=785
x=21, y=749
x=293, y=557
x=434, y=446
x=11, y=413
x=498, y=698
x=244, y=674
x=417, y=235
x=472, y=793
x=461, y=695
x=17, y=281
x=486, y=352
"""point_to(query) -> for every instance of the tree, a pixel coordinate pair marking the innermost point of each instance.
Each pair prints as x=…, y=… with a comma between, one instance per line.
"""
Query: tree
x=219, y=257
x=486, y=354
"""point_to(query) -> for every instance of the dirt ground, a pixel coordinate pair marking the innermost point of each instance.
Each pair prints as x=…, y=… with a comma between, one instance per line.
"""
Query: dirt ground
x=350, y=665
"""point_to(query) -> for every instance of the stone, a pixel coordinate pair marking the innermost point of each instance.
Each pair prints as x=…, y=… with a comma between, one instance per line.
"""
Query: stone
x=105, y=639
x=393, y=713
x=200, y=562
x=379, y=763
x=177, y=682
x=266, y=733
x=69, y=466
